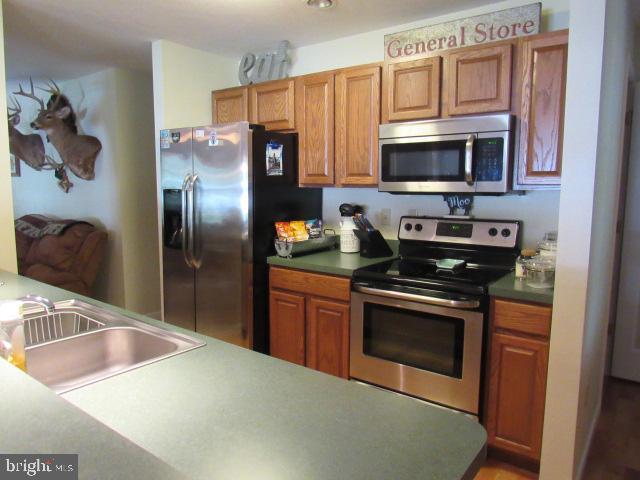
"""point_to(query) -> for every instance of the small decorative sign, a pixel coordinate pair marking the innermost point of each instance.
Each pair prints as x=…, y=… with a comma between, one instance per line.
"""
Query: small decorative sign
x=264, y=67
x=274, y=159
x=459, y=202
x=492, y=27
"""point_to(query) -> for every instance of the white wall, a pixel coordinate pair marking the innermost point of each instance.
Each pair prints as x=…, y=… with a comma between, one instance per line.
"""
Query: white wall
x=368, y=47
x=116, y=107
x=183, y=79
x=599, y=60
x=7, y=235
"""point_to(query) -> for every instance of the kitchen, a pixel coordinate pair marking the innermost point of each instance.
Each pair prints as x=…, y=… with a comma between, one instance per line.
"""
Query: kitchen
x=363, y=170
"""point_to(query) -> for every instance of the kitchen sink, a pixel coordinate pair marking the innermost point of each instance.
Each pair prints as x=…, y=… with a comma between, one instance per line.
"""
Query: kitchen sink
x=78, y=344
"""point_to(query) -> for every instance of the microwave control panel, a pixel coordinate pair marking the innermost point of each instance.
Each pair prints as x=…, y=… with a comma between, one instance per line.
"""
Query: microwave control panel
x=489, y=155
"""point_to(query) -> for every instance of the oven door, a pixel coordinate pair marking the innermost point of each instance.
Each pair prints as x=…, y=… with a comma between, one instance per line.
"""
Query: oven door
x=431, y=164
x=428, y=351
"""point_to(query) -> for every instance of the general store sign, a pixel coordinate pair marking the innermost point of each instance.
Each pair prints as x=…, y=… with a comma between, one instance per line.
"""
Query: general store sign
x=491, y=27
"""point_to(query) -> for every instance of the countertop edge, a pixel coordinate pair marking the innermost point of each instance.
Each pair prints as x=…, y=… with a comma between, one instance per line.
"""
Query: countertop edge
x=510, y=287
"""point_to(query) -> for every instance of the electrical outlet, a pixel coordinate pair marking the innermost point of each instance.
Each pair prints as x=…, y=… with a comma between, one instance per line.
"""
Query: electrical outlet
x=385, y=216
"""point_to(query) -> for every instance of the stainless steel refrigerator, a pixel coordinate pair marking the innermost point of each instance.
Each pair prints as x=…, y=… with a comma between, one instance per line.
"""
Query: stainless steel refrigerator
x=222, y=188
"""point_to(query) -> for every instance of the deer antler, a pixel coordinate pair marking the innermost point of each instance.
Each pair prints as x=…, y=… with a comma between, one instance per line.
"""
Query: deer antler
x=51, y=164
x=15, y=108
x=53, y=90
x=32, y=95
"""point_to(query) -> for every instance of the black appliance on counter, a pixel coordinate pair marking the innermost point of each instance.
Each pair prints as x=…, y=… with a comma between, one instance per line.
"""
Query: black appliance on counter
x=419, y=322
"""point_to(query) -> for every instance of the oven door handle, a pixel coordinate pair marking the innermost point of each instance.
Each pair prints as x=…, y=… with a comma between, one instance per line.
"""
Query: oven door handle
x=443, y=302
x=468, y=159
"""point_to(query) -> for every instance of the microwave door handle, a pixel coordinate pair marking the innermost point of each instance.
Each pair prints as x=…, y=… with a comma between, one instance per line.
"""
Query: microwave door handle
x=185, y=220
x=468, y=159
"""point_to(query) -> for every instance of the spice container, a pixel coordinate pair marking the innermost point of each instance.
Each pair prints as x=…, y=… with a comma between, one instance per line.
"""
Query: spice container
x=525, y=255
x=540, y=272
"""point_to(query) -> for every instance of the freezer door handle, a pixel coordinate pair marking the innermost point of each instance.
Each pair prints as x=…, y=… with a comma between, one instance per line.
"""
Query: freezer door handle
x=191, y=188
x=185, y=221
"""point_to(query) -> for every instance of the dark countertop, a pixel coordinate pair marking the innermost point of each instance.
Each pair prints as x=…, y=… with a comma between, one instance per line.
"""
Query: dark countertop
x=225, y=412
x=511, y=287
x=331, y=261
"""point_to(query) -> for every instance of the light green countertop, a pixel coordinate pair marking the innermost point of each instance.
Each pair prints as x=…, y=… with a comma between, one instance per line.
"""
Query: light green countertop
x=331, y=261
x=223, y=412
x=511, y=287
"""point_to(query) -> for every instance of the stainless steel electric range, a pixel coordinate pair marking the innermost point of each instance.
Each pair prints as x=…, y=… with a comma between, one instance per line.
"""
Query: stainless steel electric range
x=418, y=323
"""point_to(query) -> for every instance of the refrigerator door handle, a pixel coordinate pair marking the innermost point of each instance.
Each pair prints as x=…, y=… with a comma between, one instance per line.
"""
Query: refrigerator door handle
x=195, y=263
x=185, y=220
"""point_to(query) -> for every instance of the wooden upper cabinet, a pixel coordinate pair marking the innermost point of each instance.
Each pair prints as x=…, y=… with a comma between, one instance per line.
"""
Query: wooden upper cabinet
x=544, y=76
x=315, y=121
x=517, y=389
x=273, y=104
x=328, y=336
x=357, y=121
x=230, y=105
x=479, y=80
x=411, y=90
x=287, y=326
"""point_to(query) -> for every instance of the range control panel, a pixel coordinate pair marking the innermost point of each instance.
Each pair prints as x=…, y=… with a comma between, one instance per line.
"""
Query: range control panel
x=490, y=233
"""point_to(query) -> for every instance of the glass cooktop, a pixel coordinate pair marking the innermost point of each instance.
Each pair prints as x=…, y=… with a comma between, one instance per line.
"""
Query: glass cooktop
x=469, y=278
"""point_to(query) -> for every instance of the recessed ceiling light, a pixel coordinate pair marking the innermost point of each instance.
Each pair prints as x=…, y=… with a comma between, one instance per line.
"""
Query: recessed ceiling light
x=320, y=3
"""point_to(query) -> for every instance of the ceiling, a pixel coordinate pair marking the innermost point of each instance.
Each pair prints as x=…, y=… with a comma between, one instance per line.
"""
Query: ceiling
x=68, y=38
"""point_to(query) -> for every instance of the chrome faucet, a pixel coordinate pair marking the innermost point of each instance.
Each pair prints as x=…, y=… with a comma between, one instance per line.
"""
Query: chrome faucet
x=47, y=304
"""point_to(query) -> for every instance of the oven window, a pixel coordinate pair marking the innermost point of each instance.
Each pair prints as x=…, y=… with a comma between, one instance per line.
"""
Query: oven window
x=423, y=161
x=417, y=339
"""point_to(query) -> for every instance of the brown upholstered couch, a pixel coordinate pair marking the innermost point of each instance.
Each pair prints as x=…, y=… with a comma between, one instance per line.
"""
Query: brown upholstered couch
x=70, y=260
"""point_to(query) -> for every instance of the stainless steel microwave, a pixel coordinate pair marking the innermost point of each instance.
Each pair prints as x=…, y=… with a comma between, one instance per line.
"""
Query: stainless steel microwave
x=466, y=155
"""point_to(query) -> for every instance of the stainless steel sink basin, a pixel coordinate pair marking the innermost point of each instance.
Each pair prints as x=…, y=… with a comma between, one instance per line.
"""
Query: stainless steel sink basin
x=79, y=344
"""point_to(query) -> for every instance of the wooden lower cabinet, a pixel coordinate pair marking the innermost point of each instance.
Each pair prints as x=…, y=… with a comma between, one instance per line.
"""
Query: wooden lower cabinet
x=328, y=336
x=287, y=327
x=306, y=326
x=517, y=378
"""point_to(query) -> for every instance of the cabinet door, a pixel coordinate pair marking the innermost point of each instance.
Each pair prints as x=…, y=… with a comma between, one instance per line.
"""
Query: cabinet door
x=517, y=387
x=272, y=104
x=411, y=90
x=328, y=336
x=479, y=80
x=315, y=120
x=357, y=120
x=287, y=326
x=544, y=75
x=231, y=105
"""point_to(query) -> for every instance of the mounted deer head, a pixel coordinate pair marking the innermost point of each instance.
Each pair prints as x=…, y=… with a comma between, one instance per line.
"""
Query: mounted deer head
x=28, y=148
x=78, y=152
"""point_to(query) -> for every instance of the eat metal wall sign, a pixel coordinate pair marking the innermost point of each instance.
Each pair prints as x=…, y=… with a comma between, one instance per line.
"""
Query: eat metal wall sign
x=492, y=27
x=264, y=67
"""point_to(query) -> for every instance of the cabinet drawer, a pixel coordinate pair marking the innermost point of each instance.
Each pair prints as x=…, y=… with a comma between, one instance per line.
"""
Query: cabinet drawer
x=338, y=288
x=522, y=317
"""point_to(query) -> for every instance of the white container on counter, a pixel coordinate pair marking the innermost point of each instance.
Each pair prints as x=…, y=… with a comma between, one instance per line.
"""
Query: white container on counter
x=349, y=243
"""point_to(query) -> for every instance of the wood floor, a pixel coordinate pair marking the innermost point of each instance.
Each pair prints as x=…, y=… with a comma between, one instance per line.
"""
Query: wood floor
x=495, y=470
x=615, y=451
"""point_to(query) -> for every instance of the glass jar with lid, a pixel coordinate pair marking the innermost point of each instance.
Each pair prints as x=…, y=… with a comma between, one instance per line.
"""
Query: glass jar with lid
x=548, y=247
x=540, y=272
